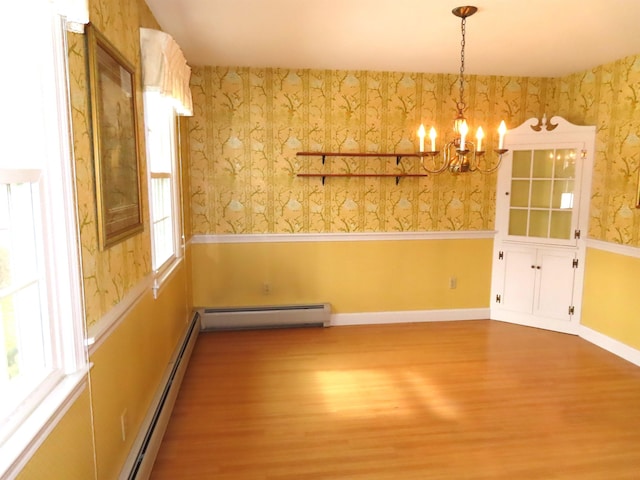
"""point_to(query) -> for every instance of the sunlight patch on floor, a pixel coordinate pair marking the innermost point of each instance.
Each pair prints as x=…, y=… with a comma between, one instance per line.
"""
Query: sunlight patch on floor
x=371, y=393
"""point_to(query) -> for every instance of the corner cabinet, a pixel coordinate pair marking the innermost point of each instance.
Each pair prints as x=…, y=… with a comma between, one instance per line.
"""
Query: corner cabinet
x=542, y=202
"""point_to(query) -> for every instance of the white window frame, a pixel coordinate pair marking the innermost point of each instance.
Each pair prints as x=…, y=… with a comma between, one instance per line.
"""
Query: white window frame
x=159, y=108
x=28, y=425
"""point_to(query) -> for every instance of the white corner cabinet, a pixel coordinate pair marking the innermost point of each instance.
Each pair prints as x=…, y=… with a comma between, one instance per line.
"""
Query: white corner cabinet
x=542, y=202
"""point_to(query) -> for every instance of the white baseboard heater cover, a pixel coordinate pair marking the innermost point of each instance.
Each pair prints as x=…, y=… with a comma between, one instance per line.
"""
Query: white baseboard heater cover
x=145, y=448
x=271, y=316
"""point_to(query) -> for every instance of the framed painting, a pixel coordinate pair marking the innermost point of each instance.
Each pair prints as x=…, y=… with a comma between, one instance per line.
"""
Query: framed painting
x=112, y=82
x=638, y=192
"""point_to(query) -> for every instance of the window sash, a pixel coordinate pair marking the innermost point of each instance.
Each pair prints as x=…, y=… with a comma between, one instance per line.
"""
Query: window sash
x=161, y=132
x=52, y=275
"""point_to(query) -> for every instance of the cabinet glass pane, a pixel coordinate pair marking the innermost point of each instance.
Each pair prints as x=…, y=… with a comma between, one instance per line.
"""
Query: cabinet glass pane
x=562, y=194
x=539, y=223
x=521, y=164
x=517, y=222
x=565, y=163
x=520, y=193
x=560, y=225
x=543, y=164
x=541, y=193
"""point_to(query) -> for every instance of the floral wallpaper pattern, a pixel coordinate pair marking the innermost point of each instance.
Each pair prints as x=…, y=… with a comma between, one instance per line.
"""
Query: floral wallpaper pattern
x=249, y=123
x=110, y=274
x=609, y=97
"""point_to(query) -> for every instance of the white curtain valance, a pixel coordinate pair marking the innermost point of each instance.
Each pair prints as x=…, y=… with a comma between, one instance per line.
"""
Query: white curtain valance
x=76, y=12
x=164, y=69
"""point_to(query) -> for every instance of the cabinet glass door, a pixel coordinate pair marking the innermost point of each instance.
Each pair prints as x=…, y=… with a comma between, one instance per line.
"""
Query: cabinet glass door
x=542, y=193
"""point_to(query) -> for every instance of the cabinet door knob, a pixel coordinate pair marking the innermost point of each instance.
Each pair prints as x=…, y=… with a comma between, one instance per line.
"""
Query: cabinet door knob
x=533, y=266
x=538, y=267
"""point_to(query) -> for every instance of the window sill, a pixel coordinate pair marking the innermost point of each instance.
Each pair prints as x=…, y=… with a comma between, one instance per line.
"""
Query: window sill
x=161, y=276
x=16, y=451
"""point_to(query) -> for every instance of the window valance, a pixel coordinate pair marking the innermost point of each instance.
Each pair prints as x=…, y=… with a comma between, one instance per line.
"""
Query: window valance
x=165, y=70
x=76, y=13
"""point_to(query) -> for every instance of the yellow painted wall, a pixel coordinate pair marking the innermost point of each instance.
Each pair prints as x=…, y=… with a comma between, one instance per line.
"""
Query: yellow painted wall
x=128, y=368
x=363, y=276
x=611, y=301
x=67, y=453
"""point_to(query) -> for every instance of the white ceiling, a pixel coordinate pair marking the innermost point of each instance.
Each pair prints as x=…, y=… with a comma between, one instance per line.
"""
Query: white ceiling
x=506, y=37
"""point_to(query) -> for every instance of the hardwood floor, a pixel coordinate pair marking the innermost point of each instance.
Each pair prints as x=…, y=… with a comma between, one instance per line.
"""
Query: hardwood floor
x=451, y=400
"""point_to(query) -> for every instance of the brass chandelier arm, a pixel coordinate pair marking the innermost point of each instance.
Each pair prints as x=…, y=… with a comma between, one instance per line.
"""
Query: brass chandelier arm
x=433, y=155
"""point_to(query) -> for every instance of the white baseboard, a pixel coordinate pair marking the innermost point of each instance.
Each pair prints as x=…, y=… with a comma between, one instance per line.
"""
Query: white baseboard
x=611, y=345
x=409, y=316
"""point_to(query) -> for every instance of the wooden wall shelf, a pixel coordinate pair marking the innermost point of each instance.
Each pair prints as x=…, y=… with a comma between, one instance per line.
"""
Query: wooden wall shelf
x=397, y=156
x=397, y=176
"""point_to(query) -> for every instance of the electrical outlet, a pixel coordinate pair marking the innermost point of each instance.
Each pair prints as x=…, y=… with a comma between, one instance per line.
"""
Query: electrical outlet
x=124, y=424
x=453, y=282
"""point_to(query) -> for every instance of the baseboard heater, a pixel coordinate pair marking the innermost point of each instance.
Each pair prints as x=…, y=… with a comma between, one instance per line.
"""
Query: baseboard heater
x=270, y=316
x=145, y=448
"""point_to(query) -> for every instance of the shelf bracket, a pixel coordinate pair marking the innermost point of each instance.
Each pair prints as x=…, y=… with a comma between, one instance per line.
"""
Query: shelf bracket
x=323, y=177
x=397, y=180
x=398, y=159
x=323, y=159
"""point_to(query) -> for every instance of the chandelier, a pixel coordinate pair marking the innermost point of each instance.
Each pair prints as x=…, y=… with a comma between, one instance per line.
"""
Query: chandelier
x=460, y=154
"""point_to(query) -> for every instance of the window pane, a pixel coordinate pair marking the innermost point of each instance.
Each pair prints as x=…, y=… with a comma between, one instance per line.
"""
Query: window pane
x=521, y=164
x=542, y=164
x=541, y=193
x=25, y=338
x=520, y=193
x=162, y=221
x=518, y=222
x=560, y=225
x=539, y=223
x=565, y=163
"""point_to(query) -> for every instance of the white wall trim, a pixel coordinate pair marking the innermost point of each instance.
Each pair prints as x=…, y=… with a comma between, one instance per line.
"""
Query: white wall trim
x=340, y=237
x=610, y=247
x=100, y=331
x=409, y=316
x=616, y=347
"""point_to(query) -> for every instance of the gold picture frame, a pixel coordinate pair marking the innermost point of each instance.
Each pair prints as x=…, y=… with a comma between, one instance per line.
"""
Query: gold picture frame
x=638, y=192
x=112, y=83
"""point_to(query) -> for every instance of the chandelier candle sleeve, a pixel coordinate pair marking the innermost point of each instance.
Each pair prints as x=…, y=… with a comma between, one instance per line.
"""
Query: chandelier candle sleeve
x=502, y=129
x=421, y=133
x=479, y=137
x=464, y=129
x=432, y=136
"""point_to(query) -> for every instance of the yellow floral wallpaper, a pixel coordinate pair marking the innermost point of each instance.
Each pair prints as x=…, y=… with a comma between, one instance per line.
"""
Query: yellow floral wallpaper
x=110, y=274
x=608, y=97
x=249, y=123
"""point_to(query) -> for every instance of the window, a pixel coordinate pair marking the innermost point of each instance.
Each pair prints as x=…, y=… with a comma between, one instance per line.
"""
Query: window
x=164, y=201
x=41, y=323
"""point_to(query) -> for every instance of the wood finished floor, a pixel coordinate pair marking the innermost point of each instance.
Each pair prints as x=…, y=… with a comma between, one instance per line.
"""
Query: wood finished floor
x=452, y=400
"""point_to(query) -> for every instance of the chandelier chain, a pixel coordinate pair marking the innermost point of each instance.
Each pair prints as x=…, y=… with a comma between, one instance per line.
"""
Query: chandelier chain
x=461, y=104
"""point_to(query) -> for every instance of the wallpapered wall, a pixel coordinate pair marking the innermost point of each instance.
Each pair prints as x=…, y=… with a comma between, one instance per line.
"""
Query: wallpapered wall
x=110, y=274
x=608, y=97
x=249, y=123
